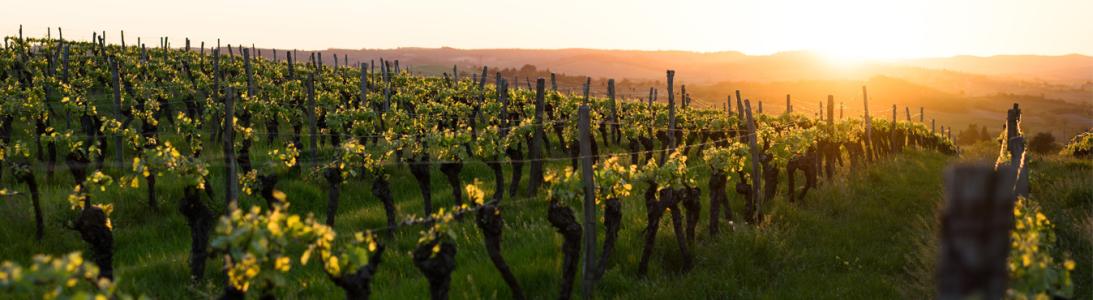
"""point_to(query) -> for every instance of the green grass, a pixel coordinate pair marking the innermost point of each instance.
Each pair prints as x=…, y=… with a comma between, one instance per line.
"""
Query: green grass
x=856, y=237
x=1063, y=187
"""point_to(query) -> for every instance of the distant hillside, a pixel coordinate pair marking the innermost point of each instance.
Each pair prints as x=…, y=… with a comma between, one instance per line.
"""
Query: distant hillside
x=1066, y=69
x=1069, y=77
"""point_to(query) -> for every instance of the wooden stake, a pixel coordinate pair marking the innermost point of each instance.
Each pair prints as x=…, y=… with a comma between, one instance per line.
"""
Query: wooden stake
x=117, y=111
x=789, y=105
x=975, y=232
x=250, y=74
x=313, y=132
x=535, y=176
x=671, y=116
x=230, y=194
x=1016, y=146
x=589, y=212
x=614, y=109
x=756, y=170
x=868, y=121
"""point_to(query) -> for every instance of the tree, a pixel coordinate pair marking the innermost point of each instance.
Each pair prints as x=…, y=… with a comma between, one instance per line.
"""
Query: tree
x=1043, y=143
x=969, y=136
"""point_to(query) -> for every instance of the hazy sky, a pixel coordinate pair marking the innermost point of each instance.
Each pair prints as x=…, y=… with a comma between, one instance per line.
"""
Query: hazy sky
x=843, y=28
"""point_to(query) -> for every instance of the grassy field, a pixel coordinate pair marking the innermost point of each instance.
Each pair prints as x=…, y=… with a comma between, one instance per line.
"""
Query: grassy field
x=859, y=236
x=1064, y=189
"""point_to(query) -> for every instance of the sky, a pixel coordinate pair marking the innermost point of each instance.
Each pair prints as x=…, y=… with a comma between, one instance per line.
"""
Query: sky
x=852, y=29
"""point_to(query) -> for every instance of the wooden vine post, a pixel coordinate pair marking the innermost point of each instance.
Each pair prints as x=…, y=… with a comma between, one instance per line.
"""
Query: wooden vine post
x=364, y=84
x=739, y=106
x=671, y=118
x=535, y=176
x=832, y=152
x=230, y=194
x=117, y=112
x=756, y=170
x=868, y=124
x=789, y=105
x=893, y=145
x=250, y=72
x=975, y=232
x=1016, y=146
x=588, y=272
x=313, y=134
x=728, y=106
x=614, y=111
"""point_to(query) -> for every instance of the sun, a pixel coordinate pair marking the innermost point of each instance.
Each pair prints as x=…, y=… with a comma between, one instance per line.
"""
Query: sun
x=855, y=31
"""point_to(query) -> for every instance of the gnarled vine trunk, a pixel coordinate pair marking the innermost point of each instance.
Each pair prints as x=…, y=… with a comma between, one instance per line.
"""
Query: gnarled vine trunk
x=451, y=170
x=436, y=266
x=612, y=221
x=490, y=222
x=381, y=188
x=517, y=157
x=200, y=219
x=93, y=229
x=420, y=170
x=717, y=183
x=358, y=284
x=564, y=221
x=333, y=177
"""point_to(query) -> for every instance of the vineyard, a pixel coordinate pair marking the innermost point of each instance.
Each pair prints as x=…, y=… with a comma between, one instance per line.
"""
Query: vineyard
x=199, y=173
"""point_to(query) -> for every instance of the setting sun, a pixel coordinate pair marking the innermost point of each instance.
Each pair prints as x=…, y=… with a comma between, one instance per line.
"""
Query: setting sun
x=844, y=29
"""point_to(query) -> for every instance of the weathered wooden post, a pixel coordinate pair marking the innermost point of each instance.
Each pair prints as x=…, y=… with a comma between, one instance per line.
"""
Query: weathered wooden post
x=868, y=124
x=893, y=116
x=589, y=271
x=740, y=106
x=117, y=112
x=757, y=171
x=386, y=69
x=614, y=111
x=832, y=151
x=683, y=96
x=313, y=133
x=1016, y=146
x=728, y=105
x=789, y=106
x=535, y=176
x=975, y=232
x=921, y=114
x=364, y=84
x=671, y=117
x=230, y=194
x=250, y=72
